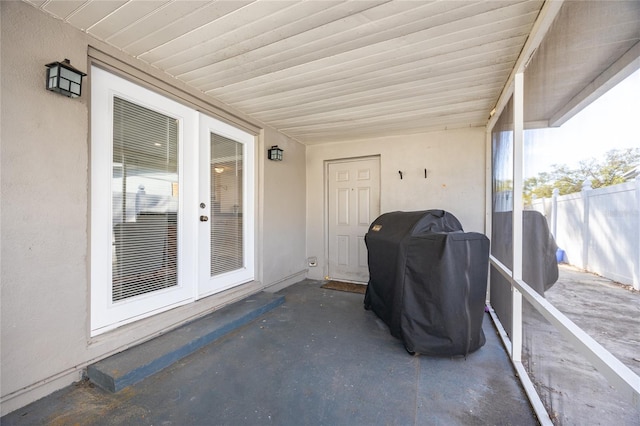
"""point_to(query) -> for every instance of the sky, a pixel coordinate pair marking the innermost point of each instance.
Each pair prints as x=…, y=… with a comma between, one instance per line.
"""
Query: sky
x=612, y=121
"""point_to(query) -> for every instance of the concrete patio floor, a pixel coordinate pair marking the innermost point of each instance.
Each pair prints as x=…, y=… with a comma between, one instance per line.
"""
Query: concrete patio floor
x=318, y=359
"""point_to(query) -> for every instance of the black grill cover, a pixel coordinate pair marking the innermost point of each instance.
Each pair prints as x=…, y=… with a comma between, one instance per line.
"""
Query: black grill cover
x=427, y=281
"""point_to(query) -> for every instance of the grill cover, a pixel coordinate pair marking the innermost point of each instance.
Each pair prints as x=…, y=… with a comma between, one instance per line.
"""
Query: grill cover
x=427, y=281
x=539, y=262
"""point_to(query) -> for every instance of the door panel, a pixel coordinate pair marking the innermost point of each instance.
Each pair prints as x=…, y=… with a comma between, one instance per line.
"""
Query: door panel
x=226, y=207
x=140, y=166
x=362, y=253
x=343, y=206
x=364, y=207
x=354, y=202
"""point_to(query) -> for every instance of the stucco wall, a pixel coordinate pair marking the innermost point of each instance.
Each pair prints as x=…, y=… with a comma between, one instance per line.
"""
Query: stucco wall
x=44, y=202
x=455, y=163
x=45, y=339
x=284, y=260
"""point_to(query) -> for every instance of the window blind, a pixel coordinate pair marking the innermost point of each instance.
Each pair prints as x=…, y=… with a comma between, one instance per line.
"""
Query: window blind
x=226, y=199
x=144, y=200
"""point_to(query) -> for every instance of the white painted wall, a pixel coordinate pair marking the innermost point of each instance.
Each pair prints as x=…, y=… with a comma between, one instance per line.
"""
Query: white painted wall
x=44, y=331
x=455, y=163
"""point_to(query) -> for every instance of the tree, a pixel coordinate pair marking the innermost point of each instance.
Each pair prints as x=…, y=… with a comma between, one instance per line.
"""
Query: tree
x=541, y=186
x=610, y=171
x=617, y=164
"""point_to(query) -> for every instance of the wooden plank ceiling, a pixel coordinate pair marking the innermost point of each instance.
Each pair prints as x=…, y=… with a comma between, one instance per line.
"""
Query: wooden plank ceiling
x=322, y=71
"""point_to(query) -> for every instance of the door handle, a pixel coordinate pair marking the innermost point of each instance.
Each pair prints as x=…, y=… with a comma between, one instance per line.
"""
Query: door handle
x=204, y=218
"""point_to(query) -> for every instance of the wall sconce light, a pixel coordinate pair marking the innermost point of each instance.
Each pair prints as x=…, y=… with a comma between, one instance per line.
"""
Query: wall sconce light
x=274, y=153
x=64, y=79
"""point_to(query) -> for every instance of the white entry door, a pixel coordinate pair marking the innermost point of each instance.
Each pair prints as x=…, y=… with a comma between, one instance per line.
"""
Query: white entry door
x=354, y=202
x=226, y=205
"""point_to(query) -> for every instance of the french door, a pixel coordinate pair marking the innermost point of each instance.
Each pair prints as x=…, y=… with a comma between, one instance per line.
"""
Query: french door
x=226, y=206
x=171, y=203
x=142, y=164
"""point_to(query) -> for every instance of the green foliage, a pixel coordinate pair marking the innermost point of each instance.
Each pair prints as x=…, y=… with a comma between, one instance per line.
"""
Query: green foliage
x=609, y=171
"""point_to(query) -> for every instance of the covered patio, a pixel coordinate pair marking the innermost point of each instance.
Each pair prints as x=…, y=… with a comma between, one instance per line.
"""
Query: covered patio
x=319, y=358
x=322, y=359
x=152, y=200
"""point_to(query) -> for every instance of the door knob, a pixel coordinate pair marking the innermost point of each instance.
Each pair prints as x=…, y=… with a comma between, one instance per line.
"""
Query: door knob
x=204, y=218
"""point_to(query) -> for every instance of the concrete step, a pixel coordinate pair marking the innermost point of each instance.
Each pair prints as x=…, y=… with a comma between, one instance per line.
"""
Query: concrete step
x=135, y=364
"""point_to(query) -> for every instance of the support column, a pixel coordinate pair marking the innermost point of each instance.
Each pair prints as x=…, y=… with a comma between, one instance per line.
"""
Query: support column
x=584, y=258
x=518, y=165
x=636, y=266
x=554, y=213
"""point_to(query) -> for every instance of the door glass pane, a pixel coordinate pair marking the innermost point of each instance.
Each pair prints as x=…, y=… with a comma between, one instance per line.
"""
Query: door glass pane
x=226, y=202
x=145, y=200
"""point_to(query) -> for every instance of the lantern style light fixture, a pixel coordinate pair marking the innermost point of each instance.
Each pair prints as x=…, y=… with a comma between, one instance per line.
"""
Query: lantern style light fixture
x=64, y=79
x=274, y=153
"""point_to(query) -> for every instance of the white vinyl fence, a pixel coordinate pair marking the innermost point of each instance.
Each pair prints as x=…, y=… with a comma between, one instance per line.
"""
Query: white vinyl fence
x=598, y=229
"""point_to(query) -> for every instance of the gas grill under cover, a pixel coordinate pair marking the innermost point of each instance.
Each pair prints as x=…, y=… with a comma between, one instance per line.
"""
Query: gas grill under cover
x=427, y=281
